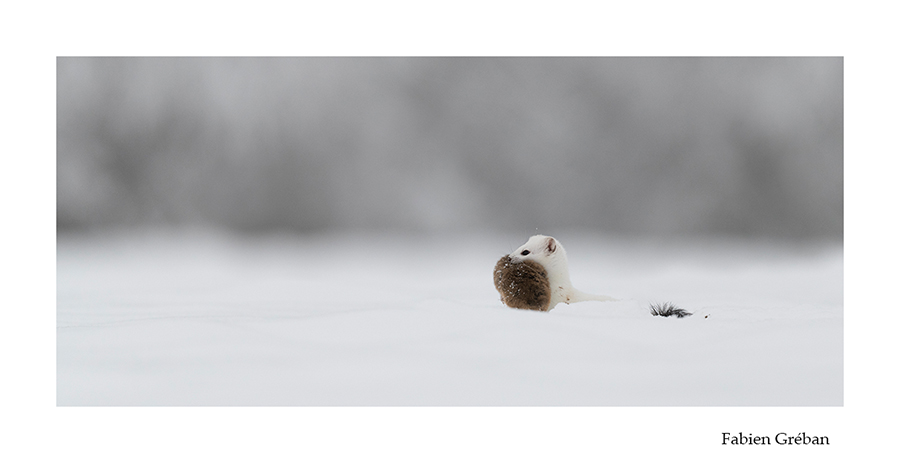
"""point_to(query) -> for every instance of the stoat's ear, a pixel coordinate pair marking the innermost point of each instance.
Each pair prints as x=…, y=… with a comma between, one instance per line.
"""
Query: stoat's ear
x=551, y=245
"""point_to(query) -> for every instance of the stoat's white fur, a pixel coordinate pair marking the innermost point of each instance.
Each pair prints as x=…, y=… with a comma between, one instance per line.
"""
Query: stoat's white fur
x=549, y=252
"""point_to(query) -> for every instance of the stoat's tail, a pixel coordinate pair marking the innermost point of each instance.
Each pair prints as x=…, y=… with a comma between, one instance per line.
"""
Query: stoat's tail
x=668, y=309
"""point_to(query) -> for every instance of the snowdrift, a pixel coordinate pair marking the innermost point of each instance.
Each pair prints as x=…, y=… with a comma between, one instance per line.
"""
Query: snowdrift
x=382, y=319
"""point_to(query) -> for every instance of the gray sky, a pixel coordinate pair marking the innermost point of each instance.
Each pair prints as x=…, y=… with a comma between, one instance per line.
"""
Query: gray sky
x=654, y=146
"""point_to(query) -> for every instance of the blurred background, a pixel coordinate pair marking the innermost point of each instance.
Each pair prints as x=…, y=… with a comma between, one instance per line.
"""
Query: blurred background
x=657, y=147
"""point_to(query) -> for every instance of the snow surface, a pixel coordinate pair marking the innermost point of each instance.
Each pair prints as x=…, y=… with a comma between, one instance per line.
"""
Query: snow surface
x=393, y=319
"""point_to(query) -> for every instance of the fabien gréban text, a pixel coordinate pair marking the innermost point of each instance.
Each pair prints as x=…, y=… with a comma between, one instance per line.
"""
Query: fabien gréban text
x=781, y=438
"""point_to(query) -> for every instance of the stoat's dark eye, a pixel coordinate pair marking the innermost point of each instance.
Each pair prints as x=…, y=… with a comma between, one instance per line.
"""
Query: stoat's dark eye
x=526, y=252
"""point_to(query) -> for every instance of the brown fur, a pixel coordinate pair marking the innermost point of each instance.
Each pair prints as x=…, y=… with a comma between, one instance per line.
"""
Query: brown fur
x=522, y=285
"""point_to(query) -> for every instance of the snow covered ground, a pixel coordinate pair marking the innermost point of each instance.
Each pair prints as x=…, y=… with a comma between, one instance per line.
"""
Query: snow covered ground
x=392, y=319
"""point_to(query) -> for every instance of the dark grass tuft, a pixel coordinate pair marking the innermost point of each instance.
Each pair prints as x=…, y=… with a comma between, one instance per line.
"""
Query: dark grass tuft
x=667, y=309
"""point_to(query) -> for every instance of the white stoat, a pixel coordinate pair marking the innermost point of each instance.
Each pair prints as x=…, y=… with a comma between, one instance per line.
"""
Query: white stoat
x=549, y=253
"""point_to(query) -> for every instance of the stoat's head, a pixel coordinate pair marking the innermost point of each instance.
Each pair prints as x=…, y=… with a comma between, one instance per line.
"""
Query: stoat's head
x=545, y=250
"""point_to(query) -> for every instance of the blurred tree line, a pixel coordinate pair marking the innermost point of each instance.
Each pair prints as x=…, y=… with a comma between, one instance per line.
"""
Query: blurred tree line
x=658, y=146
